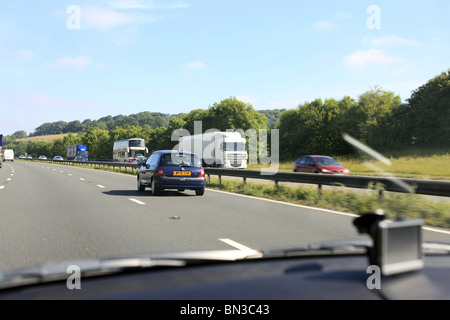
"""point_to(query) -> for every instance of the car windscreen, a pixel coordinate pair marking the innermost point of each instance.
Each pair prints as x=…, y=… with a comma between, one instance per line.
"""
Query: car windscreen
x=180, y=159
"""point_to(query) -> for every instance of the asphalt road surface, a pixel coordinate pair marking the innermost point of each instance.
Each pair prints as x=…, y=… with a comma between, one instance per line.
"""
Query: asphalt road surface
x=51, y=212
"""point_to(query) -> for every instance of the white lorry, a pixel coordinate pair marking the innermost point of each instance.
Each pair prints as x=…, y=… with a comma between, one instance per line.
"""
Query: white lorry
x=8, y=155
x=217, y=149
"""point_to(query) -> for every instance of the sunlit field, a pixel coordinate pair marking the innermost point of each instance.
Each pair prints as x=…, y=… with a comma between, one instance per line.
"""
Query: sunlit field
x=46, y=138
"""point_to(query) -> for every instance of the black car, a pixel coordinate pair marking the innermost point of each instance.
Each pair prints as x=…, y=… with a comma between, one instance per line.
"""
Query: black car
x=170, y=169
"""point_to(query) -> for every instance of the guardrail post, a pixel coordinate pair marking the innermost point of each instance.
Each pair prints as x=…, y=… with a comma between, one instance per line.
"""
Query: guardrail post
x=319, y=189
x=220, y=179
x=244, y=180
x=276, y=184
x=209, y=178
x=380, y=195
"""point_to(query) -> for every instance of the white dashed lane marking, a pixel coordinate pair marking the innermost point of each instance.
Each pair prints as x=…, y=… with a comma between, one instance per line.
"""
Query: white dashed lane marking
x=235, y=244
x=137, y=201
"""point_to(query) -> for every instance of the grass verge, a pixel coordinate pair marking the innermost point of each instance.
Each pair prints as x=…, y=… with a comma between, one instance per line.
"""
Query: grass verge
x=395, y=205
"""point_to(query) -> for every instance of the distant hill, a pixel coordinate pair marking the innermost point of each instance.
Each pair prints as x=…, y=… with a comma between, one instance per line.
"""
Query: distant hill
x=54, y=130
x=272, y=116
x=153, y=119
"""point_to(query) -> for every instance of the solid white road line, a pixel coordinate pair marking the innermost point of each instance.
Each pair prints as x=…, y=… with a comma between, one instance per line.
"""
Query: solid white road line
x=318, y=209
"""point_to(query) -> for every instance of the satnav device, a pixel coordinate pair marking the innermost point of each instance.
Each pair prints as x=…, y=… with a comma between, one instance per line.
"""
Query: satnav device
x=397, y=244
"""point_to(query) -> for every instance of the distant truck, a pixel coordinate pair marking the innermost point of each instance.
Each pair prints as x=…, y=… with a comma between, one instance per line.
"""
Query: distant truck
x=217, y=149
x=8, y=155
x=78, y=151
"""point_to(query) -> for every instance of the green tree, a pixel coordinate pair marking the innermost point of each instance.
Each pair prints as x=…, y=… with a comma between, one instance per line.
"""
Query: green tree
x=74, y=126
x=59, y=147
x=125, y=132
x=372, y=119
x=289, y=132
x=98, y=143
x=429, y=112
x=50, y=128
x=20, y=134
x=234, y=114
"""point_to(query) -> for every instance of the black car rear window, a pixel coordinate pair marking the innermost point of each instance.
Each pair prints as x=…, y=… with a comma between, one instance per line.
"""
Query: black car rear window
x=180, y=159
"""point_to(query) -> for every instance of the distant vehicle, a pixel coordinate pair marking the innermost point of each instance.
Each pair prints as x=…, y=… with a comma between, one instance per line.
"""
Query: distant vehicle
x=8, y=155
x=58, y=158
x=80, y=158
x=29, y=156
x=79, y=150
x=22, y=156
x=169, y=169
x=217, y=149
x=319, y=164
x=129, y=150
x=42, y=158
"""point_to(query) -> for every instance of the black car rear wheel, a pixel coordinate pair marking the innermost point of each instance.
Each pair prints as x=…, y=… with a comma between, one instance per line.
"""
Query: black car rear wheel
x=199, y=192
x=140, y=187
x=155, y=190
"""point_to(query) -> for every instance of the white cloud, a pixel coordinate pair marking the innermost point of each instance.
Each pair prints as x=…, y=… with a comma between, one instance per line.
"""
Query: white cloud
x=195, y=65
x=393, y=40
x=112, y=14
x=71, y=62
x=371, y=56
x=98, y=18
x=248, y=99
x=324, y=25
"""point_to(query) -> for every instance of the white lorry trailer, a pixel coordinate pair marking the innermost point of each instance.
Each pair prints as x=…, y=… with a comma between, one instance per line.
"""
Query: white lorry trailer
x=217, y=149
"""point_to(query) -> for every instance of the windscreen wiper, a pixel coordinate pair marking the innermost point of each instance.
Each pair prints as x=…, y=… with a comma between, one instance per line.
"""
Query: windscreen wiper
x=58, y=271
x=357, y=246
x=88, y=268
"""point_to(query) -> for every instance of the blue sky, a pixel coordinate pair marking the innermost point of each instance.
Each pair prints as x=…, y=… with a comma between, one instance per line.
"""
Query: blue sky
x=77, y=60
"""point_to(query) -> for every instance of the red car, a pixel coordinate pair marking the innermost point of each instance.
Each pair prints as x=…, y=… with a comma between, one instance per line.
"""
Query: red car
x=319, y=164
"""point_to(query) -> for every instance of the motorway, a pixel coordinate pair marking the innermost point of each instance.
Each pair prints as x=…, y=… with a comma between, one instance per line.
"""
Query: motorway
x=51, y=212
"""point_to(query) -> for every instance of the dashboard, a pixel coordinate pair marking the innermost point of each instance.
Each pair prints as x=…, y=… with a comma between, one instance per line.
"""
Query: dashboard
x=342, y=277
